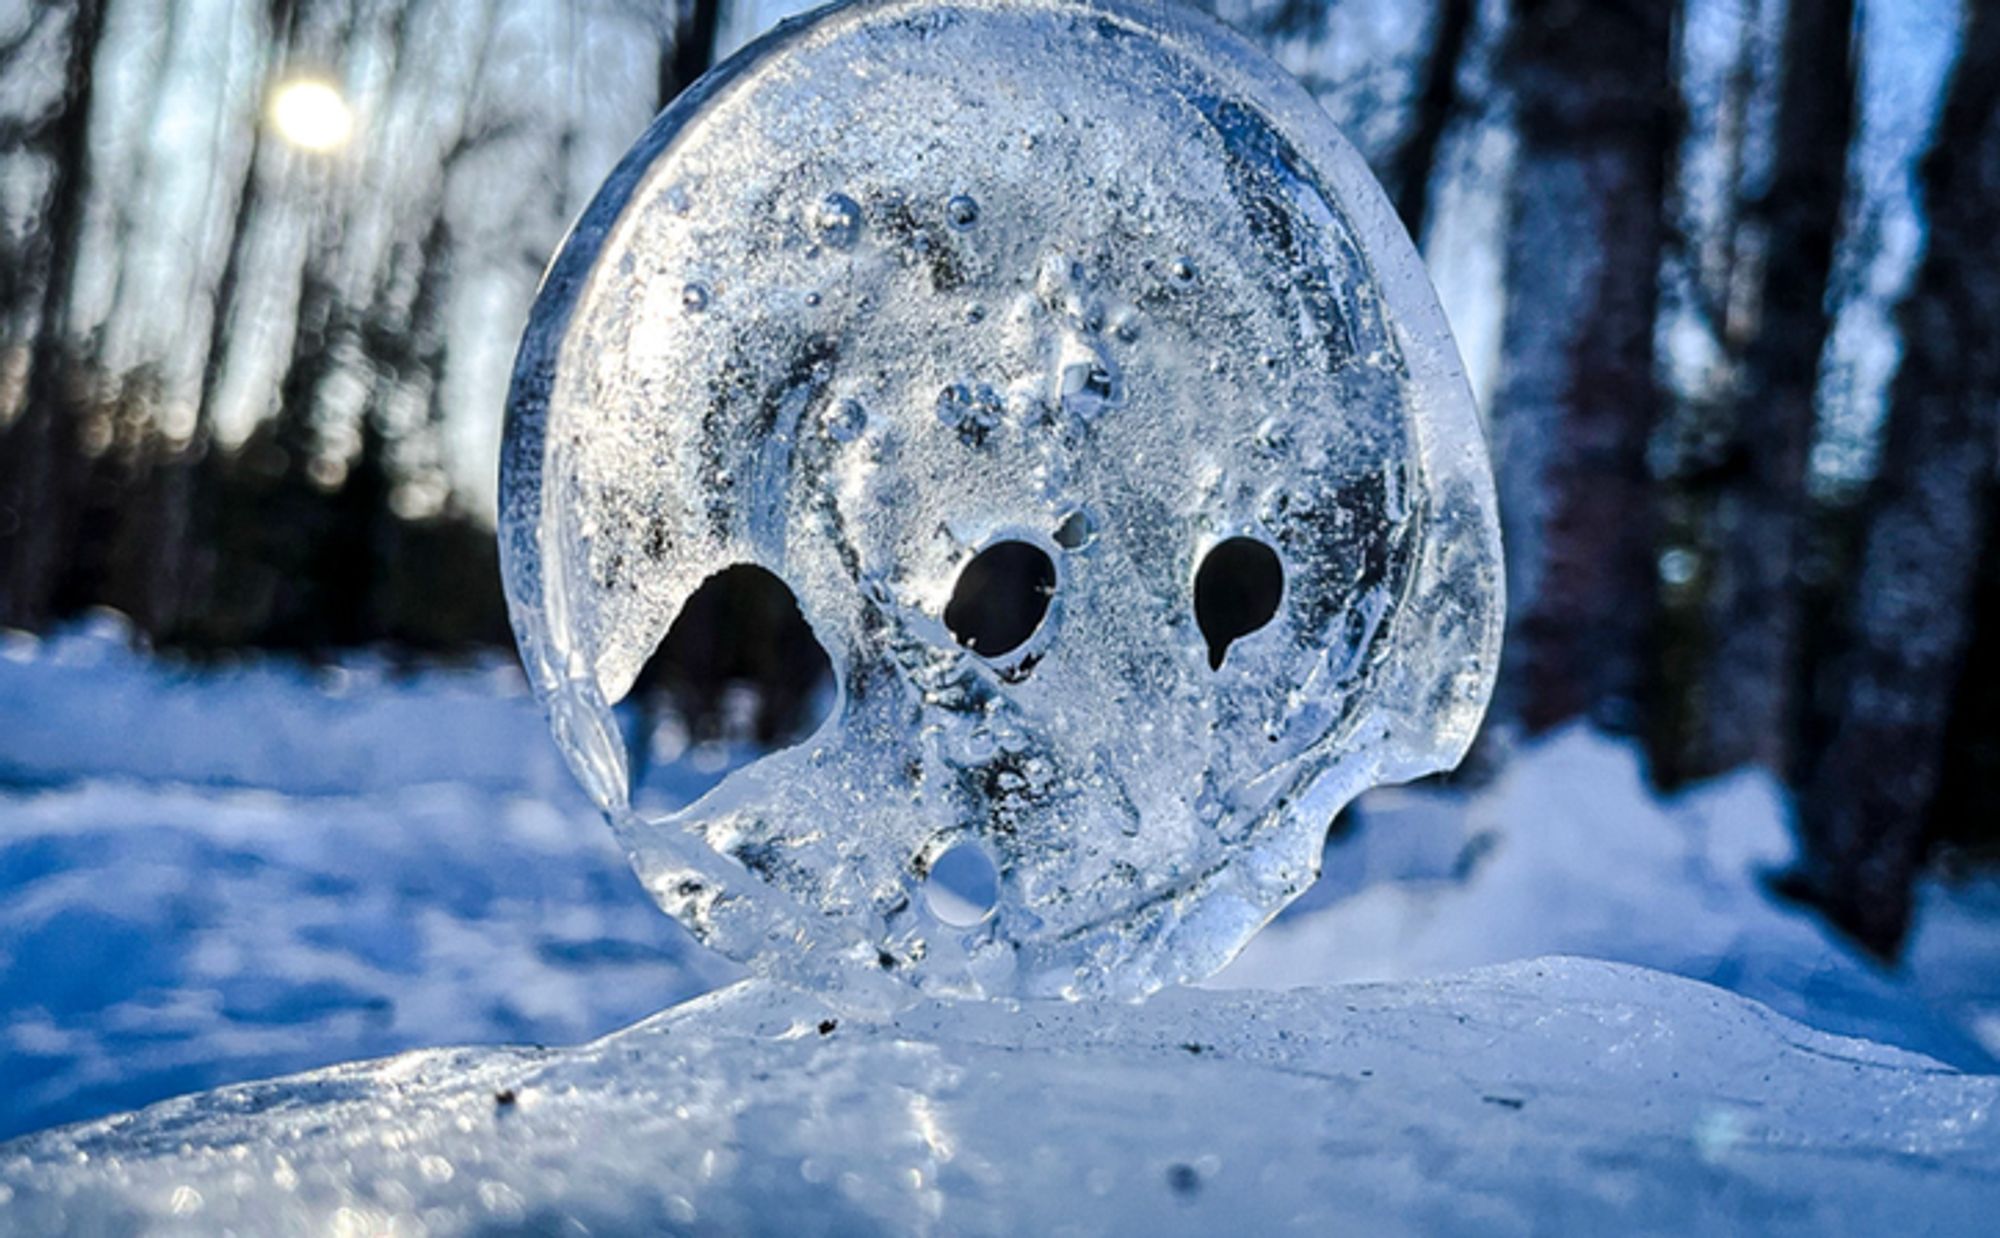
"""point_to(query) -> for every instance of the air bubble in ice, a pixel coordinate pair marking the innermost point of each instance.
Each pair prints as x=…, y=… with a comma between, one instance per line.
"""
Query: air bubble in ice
x=838, y=221
x=1273, y=434
x=694, y=298
x=972, y=409
x=961, y=212
x=1090, y=387
x=845, y=421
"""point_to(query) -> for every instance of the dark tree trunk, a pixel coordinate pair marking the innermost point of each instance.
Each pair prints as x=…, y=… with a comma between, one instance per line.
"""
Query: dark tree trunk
x=290, y=540
x=1868, y=799
x=139, y=514
x=687, y=49
x=195, y=545
x=1437, y=103
x=1962, y=823
x=1596, y=116
x=40, y=457
x=1749, y=684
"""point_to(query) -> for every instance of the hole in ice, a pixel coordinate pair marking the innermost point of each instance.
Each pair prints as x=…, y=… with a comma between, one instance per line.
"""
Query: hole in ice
x=1236, y=592
x=963, y=886
x=1001, y=598
x=739, y=671
x=1076, y=531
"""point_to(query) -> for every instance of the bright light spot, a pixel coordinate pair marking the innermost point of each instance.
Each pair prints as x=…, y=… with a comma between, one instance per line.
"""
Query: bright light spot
x=311, y=114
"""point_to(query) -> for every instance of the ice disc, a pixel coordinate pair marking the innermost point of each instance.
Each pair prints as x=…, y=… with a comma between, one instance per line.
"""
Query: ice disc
x=1077, y=378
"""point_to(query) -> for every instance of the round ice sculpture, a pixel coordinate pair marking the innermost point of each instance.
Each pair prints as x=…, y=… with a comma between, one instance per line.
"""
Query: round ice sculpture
x=1076, y=376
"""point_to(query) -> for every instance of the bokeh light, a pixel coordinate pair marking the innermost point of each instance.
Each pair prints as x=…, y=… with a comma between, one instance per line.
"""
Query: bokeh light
x=312, y=114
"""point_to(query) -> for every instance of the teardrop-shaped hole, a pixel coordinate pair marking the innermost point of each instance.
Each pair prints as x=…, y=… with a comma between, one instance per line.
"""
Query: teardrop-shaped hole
x=1236, y=592
x=1001, y=598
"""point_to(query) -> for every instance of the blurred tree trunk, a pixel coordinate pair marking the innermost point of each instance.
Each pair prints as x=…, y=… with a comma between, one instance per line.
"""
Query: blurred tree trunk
x=1751, y=672
x=41, y=456
x=1873, y=786
x=136, y=513
x=186, y=578
x=1436, y=105
x=302, y=472
x=1577, y=402
x=1961, y=822
x=687, y=45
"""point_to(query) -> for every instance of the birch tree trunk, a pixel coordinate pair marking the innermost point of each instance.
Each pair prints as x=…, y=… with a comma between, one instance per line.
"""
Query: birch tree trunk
x=40, y=465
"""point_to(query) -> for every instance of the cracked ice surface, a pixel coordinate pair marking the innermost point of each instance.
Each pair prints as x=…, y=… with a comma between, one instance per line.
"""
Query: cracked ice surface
x=911, y=279
x=1559, y=1095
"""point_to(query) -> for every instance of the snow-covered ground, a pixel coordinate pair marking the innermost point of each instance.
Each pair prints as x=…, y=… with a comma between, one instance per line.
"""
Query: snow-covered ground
x=1566, y=852
x=217, y=876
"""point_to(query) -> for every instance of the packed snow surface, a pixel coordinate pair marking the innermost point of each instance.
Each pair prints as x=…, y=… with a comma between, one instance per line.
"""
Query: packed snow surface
x=1554, y=1096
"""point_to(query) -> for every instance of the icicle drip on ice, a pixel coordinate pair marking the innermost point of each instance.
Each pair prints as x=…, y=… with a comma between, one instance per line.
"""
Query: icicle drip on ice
x=907, y=282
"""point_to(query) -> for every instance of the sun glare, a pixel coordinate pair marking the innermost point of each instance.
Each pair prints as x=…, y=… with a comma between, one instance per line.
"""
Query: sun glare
x=311, y=114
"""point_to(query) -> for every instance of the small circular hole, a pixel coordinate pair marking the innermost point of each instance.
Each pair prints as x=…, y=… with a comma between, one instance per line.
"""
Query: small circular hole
x=963, y=886
x=1001, y=598
x=1076, y=531
x=1236, y=592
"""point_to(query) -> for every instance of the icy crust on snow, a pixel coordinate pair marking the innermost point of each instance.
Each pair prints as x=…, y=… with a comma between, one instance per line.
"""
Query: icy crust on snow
x=1554, y=1096
x=910, y=279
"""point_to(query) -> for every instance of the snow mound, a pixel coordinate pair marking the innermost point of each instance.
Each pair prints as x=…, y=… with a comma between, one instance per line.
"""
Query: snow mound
x=1556, y=1095
x=1569, y=852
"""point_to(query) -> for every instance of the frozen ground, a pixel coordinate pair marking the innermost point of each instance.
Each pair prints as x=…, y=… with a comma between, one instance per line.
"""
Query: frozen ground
x=1557, y=1096
x=217, y=877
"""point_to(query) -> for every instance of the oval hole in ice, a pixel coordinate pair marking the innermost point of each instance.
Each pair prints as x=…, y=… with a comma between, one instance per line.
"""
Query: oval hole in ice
x=1001, y=598
x=1077, y=530
x=963, y=886
x=1236, y=592
x=739, y=668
